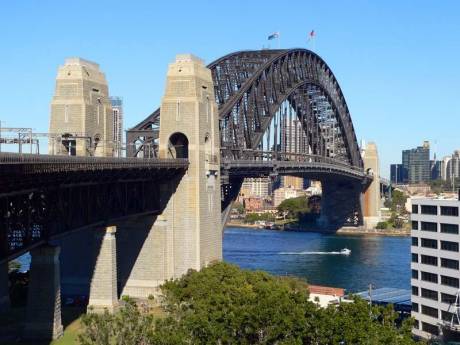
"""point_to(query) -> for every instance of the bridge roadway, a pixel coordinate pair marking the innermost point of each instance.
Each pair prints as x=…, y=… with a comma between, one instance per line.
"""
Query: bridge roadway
x=43, y=197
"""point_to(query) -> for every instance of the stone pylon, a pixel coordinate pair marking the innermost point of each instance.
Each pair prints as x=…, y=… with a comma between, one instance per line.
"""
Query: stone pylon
x=371, y=198
x=81, y=121
x=103, y=289
x=43, y=319
x=189, y=128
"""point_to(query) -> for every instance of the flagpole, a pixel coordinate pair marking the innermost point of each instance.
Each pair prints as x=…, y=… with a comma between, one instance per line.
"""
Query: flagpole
x=279, y=40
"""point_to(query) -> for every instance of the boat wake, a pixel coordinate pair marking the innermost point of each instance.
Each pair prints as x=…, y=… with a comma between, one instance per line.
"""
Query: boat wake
x=344, y=251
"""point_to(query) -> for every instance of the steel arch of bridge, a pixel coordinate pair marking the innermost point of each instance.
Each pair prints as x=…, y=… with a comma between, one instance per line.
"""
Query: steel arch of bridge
x=250, y=87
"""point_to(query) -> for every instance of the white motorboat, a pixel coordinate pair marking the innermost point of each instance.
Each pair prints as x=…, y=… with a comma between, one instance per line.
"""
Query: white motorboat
x=345, y=251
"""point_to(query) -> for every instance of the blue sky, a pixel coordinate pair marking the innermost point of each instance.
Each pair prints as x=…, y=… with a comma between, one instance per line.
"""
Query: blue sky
x=396, y=61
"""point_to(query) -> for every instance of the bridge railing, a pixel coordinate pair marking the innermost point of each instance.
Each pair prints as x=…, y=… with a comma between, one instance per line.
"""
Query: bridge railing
x=52, y=163
x=258, y=155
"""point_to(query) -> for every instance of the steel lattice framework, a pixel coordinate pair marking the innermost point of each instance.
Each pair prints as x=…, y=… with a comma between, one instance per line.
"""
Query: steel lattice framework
x=44, y=197
x=258, y=92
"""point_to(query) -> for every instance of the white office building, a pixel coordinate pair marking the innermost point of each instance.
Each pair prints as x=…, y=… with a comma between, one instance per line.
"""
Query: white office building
x=435, y=264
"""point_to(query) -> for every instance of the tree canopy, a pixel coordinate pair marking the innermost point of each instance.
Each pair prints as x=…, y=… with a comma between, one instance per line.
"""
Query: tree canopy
x=294, y=207
x=223, y=304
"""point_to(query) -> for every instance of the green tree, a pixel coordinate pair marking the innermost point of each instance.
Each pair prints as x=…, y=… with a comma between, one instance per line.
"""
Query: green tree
x=238, y=206
x=294, y=207
x=13, y=266
x=252, y=217
x=223, y=304
x=398, y=202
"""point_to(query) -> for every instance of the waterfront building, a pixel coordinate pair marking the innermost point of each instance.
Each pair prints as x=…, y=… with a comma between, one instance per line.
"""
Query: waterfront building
x=81, y=121
x=256, y=187
x=252, y=204
x=435, y=262
x=284, y=193
x=396, y=173
x=117, y=110
x=325, y=296
x=292, y=181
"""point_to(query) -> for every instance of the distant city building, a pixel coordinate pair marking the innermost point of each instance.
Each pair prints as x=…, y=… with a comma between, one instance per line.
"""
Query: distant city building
x=396, y=173
x=284, y=193
x=445, y=165
x=292, y=181
x=416, y=164
x=81, y=121
x=450, y=166
x=293, y=137
x=258, y=187
x=252, y=204
x=117, y=109
x=435, y=169
x=435, y=264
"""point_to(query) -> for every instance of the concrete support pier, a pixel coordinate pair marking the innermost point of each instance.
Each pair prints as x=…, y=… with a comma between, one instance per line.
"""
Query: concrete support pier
x=43, y=319
x=4, y=288
x=103, y=292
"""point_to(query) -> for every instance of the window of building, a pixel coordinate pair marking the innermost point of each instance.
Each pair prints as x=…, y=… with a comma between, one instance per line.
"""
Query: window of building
x=417, y=323
x=429, y=243
x=415, y=274
x=448, y=245
x=446, y=316
x=415, y=225
x=430, y=277
x=446, y=298
x=449, y=228
x=415, y=241
x=428, y=327
x=414, y=257
x=415, y=290
x=429, y=260
x=449, y=281
x=449, y=263
x=429, y=226
x=430, y=294
x=426, y=310
x=449, y=211
x=415, y=307
x=414, y=208
x=429, y=209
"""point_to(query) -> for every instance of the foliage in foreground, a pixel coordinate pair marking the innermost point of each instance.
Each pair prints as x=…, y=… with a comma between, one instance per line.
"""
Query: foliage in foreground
x=223, y=304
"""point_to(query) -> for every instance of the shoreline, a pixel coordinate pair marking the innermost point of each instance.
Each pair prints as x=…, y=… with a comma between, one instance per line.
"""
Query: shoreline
x=342, y=231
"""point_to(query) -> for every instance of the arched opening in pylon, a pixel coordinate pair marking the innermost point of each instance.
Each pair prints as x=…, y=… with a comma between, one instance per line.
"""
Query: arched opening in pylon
x=178, y=146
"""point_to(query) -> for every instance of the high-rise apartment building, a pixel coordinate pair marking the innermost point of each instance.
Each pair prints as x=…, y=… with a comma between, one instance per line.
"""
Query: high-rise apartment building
x=81, y=121
x=435, y=264
x=435, y=166
x=416, y=164
x=445, y=168
x=397, y=173
x=256, y=187
x=292, y=181
x=117, y=109
x=293, y=137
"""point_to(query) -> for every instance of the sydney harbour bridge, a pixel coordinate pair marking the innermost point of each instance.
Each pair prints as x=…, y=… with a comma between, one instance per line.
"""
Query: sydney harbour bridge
x=171, y=196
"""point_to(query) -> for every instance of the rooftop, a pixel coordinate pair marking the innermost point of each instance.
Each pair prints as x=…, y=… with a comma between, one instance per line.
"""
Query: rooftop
x=326, y=290
x=400, y=298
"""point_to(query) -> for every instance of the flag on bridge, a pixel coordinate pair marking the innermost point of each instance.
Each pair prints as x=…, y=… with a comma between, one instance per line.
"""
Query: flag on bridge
x=311, y=35
x=274, y=35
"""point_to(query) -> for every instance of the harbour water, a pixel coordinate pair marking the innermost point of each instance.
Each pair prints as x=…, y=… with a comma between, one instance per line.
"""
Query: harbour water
x=377, y=260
